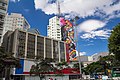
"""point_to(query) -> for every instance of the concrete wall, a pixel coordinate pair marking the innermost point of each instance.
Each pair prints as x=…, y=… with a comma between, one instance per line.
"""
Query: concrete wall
x=27, y=65
x=32, y=78
x=47, y=78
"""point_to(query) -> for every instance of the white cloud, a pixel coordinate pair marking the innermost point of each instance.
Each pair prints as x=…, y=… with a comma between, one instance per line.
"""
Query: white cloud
x=26, y=10
x=87, y=35
x=90, y=25
x=90, y=44
x=14, y=0
x=102, y=34
x=81, y=53
x=92, y=29
x=44, y=6
x=83, y=8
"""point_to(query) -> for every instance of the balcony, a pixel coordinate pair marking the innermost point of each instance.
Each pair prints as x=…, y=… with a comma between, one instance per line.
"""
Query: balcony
x=2, y=15
x=2, y=7
x=2, y=11
x=4, y=1
x=1, y=20
x=1, y=26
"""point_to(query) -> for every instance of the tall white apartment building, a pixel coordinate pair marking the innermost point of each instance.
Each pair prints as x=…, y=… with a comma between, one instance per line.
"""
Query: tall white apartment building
x=54, y=29
x=3, y=11
x=14, y=21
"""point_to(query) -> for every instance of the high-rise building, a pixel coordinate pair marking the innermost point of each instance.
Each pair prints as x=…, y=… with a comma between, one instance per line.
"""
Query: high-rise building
x=62, y=29
x=3, y=11
x=54, y=29
x=14, y=21
x=29, y=45
x=67, y=33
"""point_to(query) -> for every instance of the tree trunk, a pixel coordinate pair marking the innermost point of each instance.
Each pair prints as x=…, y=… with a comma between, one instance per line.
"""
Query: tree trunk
x=7, y=73
x=45, y=77
x=40, y=77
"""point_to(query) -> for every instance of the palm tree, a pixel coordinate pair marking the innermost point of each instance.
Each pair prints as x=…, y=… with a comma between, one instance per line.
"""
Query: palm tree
x=42, y=67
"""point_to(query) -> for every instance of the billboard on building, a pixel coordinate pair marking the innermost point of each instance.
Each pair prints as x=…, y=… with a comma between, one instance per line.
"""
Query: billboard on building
x=26, y=65
x=67, y=33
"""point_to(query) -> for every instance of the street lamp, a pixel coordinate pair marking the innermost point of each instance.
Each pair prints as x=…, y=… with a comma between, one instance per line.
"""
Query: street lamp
x=76, y=41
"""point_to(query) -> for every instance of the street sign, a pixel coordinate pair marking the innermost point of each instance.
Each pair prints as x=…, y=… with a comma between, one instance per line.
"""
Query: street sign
x=116, y=72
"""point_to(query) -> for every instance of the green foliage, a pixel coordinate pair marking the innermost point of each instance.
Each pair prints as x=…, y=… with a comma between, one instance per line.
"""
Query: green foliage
x=76, y=66
x=105, y=63
x=62, y=65
x=114, y=42
x=94, y=68
x=7, y=60
x=43, y=66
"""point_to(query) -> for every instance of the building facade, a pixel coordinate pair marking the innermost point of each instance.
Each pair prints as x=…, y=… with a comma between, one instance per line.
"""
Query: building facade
x=14, y=21
x=29, y=45
x=61, y=29
x=68, y=36
x=3, y=11
x=54, y=29
x=97, y=56
x=85, y=60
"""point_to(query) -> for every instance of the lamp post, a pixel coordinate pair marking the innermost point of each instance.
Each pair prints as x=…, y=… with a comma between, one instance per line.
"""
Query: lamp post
x=76, y=42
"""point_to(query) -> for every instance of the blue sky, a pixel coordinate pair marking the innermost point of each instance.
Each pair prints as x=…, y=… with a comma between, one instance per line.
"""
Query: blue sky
x=97, y=19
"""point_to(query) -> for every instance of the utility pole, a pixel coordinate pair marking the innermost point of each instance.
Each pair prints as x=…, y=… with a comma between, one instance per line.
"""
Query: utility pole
x=76, y=35
x=59, y=8
x=76, y=42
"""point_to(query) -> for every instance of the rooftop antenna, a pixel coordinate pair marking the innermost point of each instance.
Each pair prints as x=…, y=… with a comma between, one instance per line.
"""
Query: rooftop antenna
x=58, y=7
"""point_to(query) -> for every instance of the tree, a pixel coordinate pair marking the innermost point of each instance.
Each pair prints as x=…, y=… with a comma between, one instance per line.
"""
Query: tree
x=42, y=67
x=110, y=61
x=94, y=67
x=60, y=66
x=7, y=61
x=104, y=64
x=76, y=66
x=114, y=42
